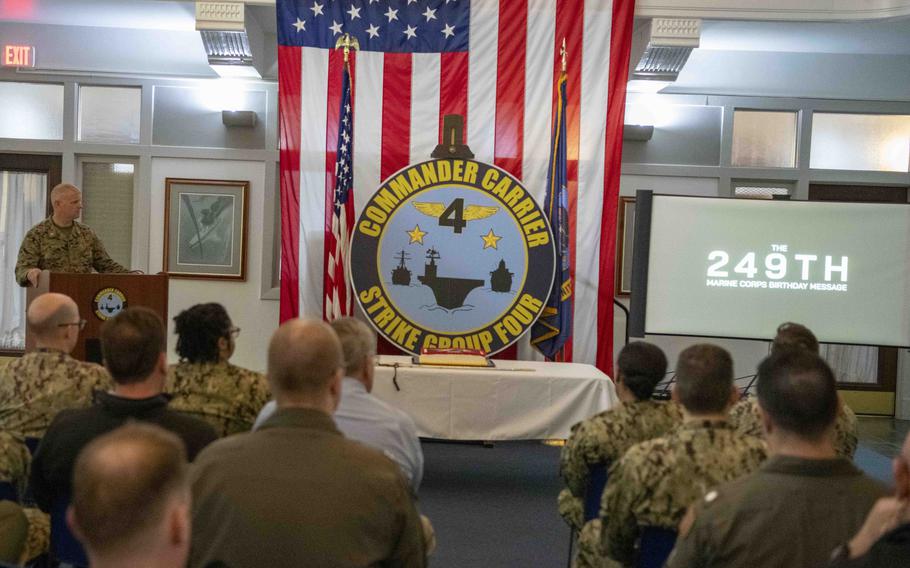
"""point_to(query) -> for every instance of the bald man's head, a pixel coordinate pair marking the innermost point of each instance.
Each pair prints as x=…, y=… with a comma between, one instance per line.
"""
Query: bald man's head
x=124, y=484
x=47, y=312
x=304, y=358
x=62, y=189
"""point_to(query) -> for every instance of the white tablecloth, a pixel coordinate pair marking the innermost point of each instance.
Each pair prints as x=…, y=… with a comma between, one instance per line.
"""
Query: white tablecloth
x=516, y=400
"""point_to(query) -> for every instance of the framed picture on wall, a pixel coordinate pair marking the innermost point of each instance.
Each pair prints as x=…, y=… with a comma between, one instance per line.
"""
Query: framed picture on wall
x=205, y=228
x=624, y=239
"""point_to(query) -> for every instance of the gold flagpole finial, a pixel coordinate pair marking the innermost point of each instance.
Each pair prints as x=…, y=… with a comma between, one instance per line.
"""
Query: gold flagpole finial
x=563, y=53
x=348, y=43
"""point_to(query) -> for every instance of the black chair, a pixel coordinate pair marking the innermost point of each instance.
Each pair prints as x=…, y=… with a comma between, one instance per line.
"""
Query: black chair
x=598, y=474
x=64, y=546
x=9, y=491
x=655, y=546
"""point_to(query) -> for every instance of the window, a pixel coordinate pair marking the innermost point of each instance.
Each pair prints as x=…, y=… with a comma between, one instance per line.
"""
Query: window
x=107, y=194
x=22, y=200
x=31, y=110
x=764, y=139
x=871, y=142
x=109, y=114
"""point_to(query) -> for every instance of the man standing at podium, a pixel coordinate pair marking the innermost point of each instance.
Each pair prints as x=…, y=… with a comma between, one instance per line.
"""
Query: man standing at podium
x=61, y=244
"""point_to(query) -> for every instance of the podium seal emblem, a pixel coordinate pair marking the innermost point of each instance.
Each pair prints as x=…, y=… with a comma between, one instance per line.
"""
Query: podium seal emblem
x=452, y=253
x=108, y=302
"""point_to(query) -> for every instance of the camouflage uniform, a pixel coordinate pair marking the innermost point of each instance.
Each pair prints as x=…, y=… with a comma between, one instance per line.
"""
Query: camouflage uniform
x=38, y=385
x=39, y=533
x=224, y=395
x=14, y=461
x=744, y=417
x=46, y=247
x=14, y=465
x=656, y=481
x=604, y=438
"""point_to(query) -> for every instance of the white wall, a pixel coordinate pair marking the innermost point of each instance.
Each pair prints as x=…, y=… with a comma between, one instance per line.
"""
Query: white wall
x=746, y=354
x=257, y=318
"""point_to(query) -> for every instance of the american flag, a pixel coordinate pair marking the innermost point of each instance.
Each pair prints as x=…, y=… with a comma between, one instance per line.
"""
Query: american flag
x=336, y=284
x=496, y=62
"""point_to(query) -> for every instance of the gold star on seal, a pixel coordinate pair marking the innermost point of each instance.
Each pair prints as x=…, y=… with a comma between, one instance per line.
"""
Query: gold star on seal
x=416, y=235
x=490, y=240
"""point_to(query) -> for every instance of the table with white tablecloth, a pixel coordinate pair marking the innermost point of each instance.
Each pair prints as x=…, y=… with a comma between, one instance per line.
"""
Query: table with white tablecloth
x=515, y=400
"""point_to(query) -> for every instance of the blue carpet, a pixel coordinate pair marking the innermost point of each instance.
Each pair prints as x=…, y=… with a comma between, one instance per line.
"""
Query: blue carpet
x=494, y=507
x=874, y=464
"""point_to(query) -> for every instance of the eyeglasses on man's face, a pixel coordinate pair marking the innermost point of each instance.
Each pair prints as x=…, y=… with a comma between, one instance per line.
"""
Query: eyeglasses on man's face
x=81, y=323
x=234, y=332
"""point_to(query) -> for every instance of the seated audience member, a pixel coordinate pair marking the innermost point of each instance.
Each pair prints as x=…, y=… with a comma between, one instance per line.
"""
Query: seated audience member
x=296, y=492
x=361, y=416
x=655, y=481
x=803, y=501
x=133, y=346
x=884, y=539
x=605, y=437
x=203, y=383
x=41, y=383
x=13, y=532
x=744, y=415
x=131, y=499
x=14, y=466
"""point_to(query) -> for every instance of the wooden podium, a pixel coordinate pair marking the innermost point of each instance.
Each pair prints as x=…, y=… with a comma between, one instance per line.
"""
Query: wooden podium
x=98, y=295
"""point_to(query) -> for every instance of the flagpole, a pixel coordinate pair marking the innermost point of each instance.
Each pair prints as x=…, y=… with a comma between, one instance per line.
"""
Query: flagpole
x=554, y=326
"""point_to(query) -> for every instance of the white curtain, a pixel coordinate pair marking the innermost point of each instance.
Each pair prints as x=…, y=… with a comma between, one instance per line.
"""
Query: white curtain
x=852, y=363
x=22, y=199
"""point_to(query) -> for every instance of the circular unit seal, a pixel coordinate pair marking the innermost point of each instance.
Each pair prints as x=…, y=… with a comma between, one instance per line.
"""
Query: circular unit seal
x=452, y=253
x=108, y=302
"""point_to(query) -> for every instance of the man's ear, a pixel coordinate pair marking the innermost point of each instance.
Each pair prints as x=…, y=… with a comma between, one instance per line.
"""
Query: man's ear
x=335, y=388
x=71, y=522
x=674, y=394
x=767, y=424
x=179, y=525
x=734, y=396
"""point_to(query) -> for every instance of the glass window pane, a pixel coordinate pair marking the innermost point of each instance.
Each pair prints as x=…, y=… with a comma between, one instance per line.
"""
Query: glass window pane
x=31, y=110
x=109, y=114
x=107, y=195
x=872, y=142
x=764, y=139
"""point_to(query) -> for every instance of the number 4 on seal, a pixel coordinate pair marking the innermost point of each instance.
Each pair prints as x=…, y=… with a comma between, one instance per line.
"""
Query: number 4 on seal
x=453, y=216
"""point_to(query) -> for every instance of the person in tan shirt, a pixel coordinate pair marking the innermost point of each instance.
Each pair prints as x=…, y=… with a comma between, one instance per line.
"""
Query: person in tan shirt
x=296, y=492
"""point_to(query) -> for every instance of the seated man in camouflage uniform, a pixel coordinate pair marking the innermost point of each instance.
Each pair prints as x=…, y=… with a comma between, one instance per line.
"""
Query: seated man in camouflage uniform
x=744, y=416
x=203, y=383
x=605, y=437
x=803, y=501
x=60, y=243
x=38, y=385
x=655, y=481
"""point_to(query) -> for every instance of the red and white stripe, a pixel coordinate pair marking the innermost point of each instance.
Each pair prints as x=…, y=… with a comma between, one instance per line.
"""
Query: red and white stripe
x=505, y=86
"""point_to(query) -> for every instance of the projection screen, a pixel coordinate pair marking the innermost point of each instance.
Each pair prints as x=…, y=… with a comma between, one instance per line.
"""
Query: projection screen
x=724, y=267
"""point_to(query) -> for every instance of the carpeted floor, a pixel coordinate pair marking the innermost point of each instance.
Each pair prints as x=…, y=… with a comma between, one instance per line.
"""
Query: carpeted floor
x=494, y=507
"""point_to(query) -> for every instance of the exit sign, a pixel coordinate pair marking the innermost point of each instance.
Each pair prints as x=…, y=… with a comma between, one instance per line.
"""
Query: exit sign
x=18, y=56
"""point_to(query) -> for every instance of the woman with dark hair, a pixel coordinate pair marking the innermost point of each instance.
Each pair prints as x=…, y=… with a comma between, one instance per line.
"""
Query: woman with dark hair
x=204, y=383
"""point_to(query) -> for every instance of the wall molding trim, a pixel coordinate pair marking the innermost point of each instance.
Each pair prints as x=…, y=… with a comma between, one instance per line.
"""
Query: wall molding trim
x=793, y=10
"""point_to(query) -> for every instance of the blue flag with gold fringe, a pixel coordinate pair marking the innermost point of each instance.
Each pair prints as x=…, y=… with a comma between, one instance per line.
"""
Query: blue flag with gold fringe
x=554, y=327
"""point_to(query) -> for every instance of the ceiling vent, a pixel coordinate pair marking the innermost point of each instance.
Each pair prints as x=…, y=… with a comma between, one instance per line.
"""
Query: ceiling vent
x=224, y=36
x=227, y=48
x=670, y=43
